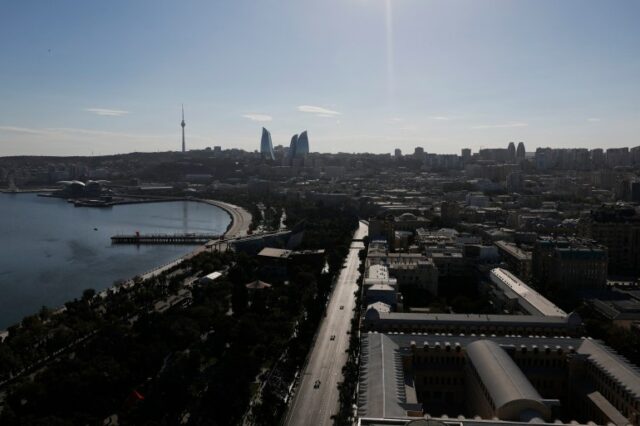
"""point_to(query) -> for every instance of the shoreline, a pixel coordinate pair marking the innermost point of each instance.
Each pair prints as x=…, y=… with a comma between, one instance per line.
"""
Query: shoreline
x=238, y=227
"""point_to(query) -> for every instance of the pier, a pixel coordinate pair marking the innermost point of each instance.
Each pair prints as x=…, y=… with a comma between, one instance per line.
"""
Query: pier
x=137, y=238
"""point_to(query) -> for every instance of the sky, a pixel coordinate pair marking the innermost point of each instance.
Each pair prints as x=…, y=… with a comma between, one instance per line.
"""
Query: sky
x=103, y=77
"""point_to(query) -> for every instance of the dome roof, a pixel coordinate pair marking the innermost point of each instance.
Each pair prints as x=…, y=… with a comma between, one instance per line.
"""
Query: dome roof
x=407, y=216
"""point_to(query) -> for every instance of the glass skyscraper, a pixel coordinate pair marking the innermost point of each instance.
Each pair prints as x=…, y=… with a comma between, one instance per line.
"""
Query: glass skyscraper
x=266, y=146
x=302, y=147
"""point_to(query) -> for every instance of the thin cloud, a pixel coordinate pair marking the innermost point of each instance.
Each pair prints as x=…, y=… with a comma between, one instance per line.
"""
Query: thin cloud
x=320, y=111
x=439, y=118
x=26, y=130
x=261, y=118
x=107, y=112
x=76, y=132
x=593, y=120
x=500, y=126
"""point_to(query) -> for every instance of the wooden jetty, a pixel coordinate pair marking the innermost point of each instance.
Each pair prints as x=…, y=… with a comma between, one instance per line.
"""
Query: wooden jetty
x=164, y=238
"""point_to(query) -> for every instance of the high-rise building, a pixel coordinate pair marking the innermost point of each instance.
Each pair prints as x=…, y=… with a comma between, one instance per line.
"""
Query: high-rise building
x=266, y=147
x=466, y=154
x=500, y=155
x=184, y=147
x=635, y=155
x=302, y=147
x=293, y=146
x=618, y=157
x=397, y=153
x=597, y=157
x=511, y=149
x=418, y=152
x=520, y=151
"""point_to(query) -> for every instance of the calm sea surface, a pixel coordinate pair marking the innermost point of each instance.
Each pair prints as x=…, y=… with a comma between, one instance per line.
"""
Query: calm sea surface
x=50, y=251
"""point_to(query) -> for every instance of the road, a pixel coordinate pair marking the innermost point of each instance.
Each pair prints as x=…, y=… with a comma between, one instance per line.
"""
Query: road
x=316, y=405
x=241, y=219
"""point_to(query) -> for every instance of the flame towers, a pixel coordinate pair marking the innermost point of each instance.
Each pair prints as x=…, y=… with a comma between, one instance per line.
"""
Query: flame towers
x=302, y=147
x=266, y=146
x=299, y=146
x=293, y=147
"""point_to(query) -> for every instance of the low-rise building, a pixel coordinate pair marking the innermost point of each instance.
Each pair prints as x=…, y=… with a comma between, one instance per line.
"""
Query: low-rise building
x=512, y=295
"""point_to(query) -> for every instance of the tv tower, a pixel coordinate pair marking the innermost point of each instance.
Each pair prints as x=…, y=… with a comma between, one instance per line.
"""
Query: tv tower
x=183, y=124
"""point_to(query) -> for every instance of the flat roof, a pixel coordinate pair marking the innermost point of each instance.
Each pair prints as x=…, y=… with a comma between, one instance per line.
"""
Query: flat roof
x=618, y=368
x=481, y=319
x=533, y=299
x=378, y=272
x=275, y=253
x=381, y=372
x=513, y=250
x=212, y=276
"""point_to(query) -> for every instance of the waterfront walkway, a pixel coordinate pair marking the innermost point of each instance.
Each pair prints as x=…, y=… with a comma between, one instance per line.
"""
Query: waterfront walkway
x=240, y=218
x=239, y=227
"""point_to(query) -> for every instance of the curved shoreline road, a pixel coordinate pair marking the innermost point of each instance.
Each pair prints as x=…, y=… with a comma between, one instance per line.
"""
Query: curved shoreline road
x=239, y=227
x=240, y=218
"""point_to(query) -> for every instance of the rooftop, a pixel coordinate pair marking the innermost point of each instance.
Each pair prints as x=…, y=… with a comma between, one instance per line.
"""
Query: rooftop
x=534, y=302
x=275, y=253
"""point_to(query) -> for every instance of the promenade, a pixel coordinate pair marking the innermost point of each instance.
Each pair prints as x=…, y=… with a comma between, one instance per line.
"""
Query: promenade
x=240, y=218
x=239, y=227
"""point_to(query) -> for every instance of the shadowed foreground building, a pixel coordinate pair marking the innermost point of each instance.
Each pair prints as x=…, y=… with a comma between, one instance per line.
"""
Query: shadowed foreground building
x=503, y=380
x=618, y=228
x=569, y=264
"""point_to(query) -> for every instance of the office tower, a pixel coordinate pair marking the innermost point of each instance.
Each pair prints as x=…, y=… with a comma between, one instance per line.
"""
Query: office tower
x=293, y=146
x=397, y=153
x=466, y=154
x=418, y=152
x=511, y=149
x=266, y=147
x=302, y=147
x=183, y=124
x=520, y=151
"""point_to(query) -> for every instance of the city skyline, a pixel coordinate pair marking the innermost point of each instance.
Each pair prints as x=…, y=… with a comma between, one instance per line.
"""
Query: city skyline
x=370, y=75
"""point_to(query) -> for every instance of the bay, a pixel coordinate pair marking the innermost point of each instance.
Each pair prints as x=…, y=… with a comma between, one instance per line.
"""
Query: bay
x=50, y=251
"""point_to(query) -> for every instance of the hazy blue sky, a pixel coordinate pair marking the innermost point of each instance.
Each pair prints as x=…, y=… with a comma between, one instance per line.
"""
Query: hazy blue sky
x=82, y=77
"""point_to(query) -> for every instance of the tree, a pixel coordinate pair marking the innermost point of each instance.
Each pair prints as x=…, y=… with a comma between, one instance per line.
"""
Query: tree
x=88, y=294
x=239, y=298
